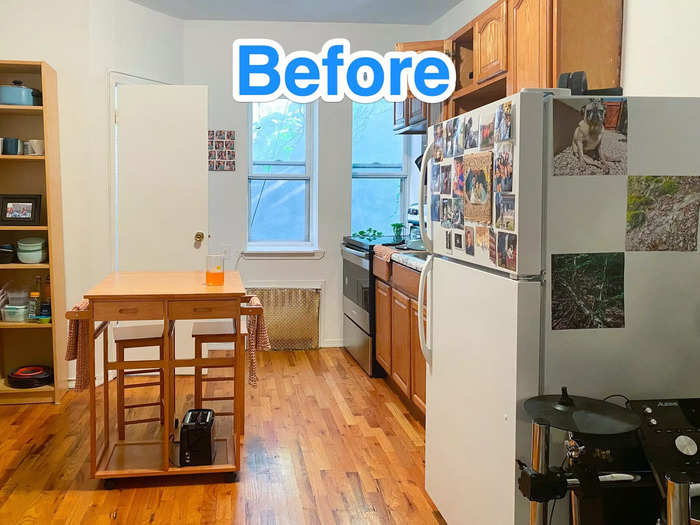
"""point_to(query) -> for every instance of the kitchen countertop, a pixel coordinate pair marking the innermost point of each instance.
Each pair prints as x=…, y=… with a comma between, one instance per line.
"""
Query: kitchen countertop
x=414, y=260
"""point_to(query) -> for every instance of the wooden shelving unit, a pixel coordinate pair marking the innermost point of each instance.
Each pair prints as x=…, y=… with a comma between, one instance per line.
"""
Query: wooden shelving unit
x=34, y=343
x=22, y=157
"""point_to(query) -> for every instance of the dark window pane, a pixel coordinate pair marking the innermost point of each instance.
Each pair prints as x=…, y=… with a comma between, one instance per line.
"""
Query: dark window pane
x=376, y=203
x=277, y=210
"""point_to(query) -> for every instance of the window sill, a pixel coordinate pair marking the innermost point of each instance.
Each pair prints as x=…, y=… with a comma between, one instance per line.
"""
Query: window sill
x=278, y=252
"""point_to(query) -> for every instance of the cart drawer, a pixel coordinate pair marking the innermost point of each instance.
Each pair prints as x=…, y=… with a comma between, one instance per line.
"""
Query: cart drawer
x=128, y=310
x=203, y=309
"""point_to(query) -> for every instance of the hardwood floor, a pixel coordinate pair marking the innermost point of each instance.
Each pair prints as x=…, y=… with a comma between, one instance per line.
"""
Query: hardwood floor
x=324, y=444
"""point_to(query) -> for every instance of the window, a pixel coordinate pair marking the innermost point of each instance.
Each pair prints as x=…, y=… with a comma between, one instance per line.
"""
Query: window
x=280, y=180
x=378, y=168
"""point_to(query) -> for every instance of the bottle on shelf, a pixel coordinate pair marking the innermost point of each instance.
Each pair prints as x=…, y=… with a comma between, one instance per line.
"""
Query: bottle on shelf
x=34, y=306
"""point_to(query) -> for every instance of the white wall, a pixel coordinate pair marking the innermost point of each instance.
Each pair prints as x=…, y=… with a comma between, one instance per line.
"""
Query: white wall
x=659, y=48
x=457, y=17
x=207, y=60
x=82, y=40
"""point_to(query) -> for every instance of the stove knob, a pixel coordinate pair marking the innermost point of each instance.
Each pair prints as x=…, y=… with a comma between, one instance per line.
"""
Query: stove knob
x=686, y=445
x=647, y=410
x=652, y=422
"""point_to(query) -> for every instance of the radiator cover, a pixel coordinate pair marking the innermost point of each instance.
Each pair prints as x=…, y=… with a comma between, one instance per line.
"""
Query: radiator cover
x=291, y=316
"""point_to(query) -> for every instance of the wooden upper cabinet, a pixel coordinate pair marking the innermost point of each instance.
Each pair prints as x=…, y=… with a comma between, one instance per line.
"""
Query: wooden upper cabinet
x=382, y=304
x=490, y=47
x=401, y=341
x=529, y=42
x=587, y=36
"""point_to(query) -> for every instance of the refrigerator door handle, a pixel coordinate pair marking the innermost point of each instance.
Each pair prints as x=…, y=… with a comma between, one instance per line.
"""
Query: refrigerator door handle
x=427, y=154
x=422, y=327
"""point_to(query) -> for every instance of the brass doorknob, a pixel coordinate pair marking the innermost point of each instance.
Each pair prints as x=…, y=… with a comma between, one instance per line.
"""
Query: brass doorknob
x=198, y=236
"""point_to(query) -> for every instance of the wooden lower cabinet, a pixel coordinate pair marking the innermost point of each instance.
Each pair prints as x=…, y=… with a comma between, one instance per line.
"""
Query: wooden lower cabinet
x=401, y=341
x=397, y=339
x=418, y=368
x=382, y=301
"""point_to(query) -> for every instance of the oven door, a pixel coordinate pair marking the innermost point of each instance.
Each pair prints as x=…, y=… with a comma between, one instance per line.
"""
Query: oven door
x=356, y=287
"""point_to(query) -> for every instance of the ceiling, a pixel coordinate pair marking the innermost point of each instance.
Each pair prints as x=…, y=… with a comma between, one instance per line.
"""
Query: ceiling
x=364, y=11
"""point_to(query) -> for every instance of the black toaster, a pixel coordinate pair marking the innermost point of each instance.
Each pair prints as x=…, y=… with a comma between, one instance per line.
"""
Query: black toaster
x=197, y=438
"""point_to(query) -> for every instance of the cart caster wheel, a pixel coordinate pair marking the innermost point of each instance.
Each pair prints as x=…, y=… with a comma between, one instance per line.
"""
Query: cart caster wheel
x=109, y=484
x=231, y=477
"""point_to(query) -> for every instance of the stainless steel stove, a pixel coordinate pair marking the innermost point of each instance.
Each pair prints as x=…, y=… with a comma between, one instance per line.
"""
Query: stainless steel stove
x=358, y=300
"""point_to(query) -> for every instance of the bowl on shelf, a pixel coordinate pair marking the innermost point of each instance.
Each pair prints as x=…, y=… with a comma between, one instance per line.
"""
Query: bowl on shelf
x=18, y=297
x=32, y=250
x=7, y=253
x=14, y=314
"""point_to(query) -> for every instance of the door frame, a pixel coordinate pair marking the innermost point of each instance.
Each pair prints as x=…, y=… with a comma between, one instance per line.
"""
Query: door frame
x=114, y=79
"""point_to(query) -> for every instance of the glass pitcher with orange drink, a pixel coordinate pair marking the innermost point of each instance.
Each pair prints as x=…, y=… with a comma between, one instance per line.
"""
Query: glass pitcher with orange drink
x=215, y=270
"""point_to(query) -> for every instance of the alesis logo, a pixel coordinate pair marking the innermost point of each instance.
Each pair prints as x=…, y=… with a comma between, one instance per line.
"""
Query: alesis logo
x=263, y=72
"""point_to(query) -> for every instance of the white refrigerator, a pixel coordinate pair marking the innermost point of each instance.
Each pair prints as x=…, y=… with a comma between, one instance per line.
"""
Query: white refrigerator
x=571, y=260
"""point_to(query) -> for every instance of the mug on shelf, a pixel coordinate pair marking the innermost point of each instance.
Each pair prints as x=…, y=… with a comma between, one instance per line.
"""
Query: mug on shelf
x=34, y=147
x=12, y=146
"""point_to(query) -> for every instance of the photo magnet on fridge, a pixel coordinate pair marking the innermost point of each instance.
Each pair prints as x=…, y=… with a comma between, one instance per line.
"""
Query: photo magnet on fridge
x=435, y=208
x=446, y=179
x=446, y=212
x=590, y=136
x=492, y=245
x=503, y=167
x=439, y=140
x=588, y=290
x=450, y=138
x=458, y=147
x=504, y=121
x=469, y=240
x=505, y=211
x=662, y=214
x=458, y=178
x=507, y=250
x=458, y=213
x=486, y=130
x=470, y=133
x=458, y=241
x=434, y=177
x=482, y=239
x=448, y=240
x=478, y=186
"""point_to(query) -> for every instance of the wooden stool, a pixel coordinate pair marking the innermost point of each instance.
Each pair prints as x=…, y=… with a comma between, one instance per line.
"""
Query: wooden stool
x=222, y=331
x=138, y=336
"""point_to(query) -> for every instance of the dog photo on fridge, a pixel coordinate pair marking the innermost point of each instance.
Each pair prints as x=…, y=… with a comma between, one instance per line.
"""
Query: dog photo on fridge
x=590, y=136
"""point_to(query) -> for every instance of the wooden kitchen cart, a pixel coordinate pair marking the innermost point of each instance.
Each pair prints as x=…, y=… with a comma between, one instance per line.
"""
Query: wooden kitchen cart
x=167, y=296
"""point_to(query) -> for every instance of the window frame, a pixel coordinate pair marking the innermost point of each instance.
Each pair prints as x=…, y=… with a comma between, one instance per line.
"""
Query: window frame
x=309, y=175
x=383, y=174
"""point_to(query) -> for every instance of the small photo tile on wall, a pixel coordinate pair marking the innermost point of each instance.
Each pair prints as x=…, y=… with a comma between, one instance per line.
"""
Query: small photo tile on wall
x=221, y=145
x=588, y=290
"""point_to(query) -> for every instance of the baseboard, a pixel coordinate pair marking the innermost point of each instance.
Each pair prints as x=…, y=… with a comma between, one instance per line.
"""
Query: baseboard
x=331, y=343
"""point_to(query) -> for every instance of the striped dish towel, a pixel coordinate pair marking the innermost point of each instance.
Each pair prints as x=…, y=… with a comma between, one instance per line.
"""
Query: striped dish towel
x=79, y=347
x=384, y=252
x=257, y=340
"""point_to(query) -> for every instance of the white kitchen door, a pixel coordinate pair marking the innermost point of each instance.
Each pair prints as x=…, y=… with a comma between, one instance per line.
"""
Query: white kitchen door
x=162, y=196
x=484, y=330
